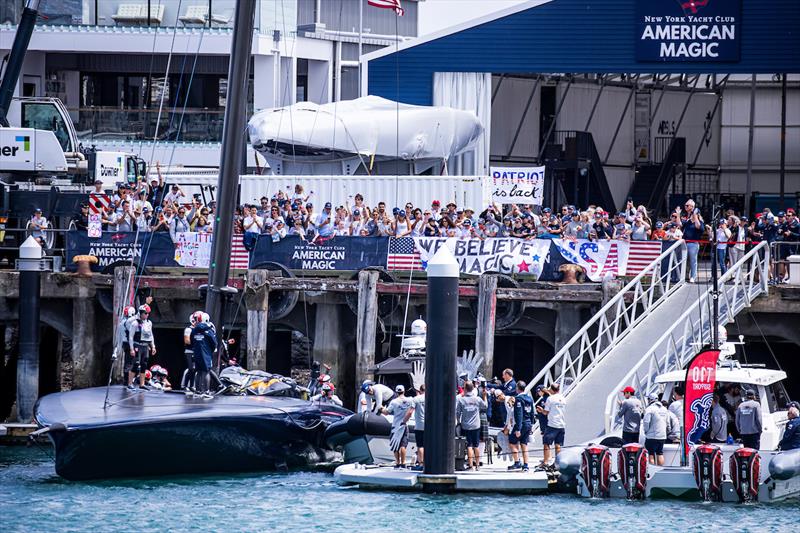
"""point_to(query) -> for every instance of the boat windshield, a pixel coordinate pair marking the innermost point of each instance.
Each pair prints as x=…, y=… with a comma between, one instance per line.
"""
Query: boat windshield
x=777, y=398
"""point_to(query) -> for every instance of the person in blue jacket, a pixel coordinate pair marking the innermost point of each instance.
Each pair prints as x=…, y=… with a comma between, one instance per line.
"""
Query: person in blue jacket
x=204, y=344
x=523, y=423
x=508, y=387
x=791, y=435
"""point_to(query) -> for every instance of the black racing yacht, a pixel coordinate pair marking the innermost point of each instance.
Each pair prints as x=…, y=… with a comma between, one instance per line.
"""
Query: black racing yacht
x=153, y=432
x=113, y=431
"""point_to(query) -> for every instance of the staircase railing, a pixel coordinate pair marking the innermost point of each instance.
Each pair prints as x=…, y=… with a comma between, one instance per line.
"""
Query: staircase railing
x=684, y=337
x=612, y=322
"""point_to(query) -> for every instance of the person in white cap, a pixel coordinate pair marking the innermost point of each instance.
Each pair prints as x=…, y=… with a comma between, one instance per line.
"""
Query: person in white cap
x=398, y=440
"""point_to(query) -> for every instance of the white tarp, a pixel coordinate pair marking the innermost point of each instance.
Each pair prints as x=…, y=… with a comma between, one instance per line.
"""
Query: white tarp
x=369, y=126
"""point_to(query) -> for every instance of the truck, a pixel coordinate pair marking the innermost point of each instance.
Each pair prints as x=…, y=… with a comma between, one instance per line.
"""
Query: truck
x=42, y=162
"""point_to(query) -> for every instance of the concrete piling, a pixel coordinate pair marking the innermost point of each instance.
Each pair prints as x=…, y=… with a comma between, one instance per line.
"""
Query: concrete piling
x=30, y=254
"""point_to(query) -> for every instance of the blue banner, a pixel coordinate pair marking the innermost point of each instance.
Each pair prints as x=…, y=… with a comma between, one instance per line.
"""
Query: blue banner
x=150, y=249
x=338, y=253
x=688, y=30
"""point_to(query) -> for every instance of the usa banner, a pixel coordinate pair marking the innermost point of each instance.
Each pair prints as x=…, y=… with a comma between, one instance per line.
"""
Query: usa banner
x=701, y=377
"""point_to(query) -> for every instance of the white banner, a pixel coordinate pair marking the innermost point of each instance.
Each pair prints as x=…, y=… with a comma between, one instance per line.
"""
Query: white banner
x=95, y=227
x=515, y=185
x=193, y=249
x=503, y=255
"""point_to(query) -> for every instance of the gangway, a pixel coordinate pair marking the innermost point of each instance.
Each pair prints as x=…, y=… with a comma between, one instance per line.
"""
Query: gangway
x=683, y=336
x=618, y=331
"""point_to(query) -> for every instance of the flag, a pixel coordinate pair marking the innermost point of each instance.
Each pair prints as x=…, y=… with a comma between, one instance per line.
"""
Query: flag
x=701, y=376
x=403, y=255
x=611, y=266
x=598, y=259
x=240, y=257
x=388, y=4
x=641, y=254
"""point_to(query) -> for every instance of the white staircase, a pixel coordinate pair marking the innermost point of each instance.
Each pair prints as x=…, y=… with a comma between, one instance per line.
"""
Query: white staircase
x=677, y=340
x=614, y=339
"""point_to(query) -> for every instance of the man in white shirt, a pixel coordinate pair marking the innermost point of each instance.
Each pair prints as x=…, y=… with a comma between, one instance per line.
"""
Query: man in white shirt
x=253, y=225
x=175, y=196
x=554, y=408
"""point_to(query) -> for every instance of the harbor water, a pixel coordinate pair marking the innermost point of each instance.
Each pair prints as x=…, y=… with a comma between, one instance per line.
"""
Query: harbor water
x=33, y=497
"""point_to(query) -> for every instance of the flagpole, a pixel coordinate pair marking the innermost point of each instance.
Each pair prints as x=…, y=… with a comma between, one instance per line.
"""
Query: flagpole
x=360, y=43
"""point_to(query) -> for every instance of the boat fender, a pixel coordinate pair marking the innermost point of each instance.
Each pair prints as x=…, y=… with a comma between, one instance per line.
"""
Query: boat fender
x=632, y=468
x=745, y=470
x=57, y=426
x=707, y=468
x=785, y=465
x=368, y=423
x=596, y=470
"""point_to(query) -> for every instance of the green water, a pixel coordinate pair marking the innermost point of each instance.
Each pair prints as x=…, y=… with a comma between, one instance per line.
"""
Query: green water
x=33, y=498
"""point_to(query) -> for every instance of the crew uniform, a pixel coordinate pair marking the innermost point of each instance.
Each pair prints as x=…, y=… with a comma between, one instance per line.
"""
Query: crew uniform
x=523, y=420
x=791, y=435
x=656, y=418
x=748, y=421
x=141, y=341
x=204, y=343
x=630, y=415
x=398, y=408
x=468, y=414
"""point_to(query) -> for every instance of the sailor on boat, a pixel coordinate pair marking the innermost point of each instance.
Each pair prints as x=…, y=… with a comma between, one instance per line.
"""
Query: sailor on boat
x=142, y=345
x=719, y=422
x=121, y=344
x=204, y=343
x=655, y=429
x=630, y=416
x=374, y=396
x=748, y=421
x=188, y=352
x=327, y=395
x=791, y=435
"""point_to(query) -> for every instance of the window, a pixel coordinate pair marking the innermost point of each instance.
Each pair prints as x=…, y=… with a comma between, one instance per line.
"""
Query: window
x=46, y=116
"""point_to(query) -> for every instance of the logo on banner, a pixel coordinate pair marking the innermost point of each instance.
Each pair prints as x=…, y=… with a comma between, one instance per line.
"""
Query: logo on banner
x=688, y=30
x=510, y=185
x=701, y=377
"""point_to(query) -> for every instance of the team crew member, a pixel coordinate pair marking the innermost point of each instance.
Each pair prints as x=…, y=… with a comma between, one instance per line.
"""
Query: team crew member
x=791, y=435
x=630, y=416
x=468, y=414
x=509, y=389
x=327, y=395
x=654, y=424
x=204, y=343
x=719, y=422
x=523, y=423
x=556, y=424
x=399, y=409
x=748, y=421
x=124, y=347
x=142, y=345
x=419, y=425
x=374, y=397
x=188, y=352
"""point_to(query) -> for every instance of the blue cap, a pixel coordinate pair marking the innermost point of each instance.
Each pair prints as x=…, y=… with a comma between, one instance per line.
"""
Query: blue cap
x=659, y=225
x=620, y=214
x=365, y=387
x=395, y=210
x=328, y=205
x=781, y=214
x=547, y=210
x=467, y=222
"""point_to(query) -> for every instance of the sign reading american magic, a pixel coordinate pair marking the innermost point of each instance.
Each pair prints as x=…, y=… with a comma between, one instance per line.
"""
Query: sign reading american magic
x=688, y=30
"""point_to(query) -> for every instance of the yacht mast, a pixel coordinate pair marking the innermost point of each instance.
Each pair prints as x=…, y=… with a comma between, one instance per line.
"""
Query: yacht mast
x=233, y=139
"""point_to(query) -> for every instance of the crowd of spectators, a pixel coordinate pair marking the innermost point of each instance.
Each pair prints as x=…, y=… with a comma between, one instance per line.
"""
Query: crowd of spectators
x=155, y=206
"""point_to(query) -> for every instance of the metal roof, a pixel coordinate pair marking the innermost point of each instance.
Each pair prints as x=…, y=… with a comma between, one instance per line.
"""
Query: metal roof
x=576, y=36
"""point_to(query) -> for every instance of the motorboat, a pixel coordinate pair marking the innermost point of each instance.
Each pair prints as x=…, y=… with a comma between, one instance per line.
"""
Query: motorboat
x=116, y=432
x=726, y=472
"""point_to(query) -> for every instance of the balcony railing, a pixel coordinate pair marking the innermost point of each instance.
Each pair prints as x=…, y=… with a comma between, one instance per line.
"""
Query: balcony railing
x=270, y=15
x=104, y=124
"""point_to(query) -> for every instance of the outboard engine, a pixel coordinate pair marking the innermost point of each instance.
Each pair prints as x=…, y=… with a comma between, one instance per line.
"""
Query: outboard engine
x=707, y=467
x=596, y=470
x=745, y=468
x=632, y=467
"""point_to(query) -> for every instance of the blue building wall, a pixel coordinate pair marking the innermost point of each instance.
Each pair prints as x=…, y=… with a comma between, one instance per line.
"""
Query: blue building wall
x=579, y=36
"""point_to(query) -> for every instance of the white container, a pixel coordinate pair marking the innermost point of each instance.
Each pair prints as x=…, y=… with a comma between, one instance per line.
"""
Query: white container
x=794, y=269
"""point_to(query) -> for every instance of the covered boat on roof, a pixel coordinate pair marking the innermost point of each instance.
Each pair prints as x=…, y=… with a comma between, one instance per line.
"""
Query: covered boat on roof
x=352, y=136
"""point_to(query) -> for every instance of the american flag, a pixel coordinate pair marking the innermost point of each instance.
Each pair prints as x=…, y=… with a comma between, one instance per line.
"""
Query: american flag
x=611, y=266
x=388, y=4
x=403, y=255
x=240, y=258
x=641, y=254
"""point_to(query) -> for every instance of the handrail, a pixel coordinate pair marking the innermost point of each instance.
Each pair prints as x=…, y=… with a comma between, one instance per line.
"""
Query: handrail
x=611, y=323
x=692, y=329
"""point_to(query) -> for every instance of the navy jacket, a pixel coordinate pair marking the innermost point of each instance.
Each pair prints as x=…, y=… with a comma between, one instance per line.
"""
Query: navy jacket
x=791, y=435
x=204, y=342
x=523, y=413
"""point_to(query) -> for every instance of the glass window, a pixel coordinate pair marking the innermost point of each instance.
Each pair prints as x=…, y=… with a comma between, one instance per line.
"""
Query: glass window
x=46, y=116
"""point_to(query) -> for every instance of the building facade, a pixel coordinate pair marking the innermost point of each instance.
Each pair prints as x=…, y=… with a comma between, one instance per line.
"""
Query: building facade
x=150, y=76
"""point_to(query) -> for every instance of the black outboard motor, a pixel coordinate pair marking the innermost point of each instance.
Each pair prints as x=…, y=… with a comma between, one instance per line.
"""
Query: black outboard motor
x=596, y=470
x=745, y=468
x=707, y=467
x=632, y=467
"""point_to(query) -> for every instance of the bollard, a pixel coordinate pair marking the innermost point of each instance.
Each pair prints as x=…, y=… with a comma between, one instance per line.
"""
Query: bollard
x=30, y=267
x=440, y=373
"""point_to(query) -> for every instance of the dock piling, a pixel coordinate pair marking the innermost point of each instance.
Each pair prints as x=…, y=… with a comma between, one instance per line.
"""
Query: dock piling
x=367, y=324
x=257, y=301
x=484, y=330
